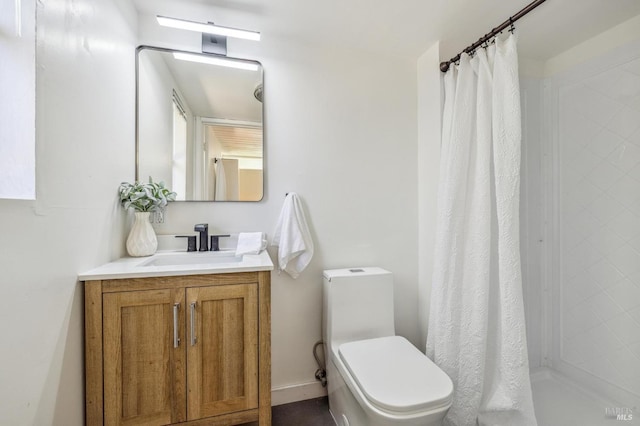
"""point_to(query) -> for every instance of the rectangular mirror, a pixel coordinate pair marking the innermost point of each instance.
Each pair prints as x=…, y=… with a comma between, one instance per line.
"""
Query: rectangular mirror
x=199, y=125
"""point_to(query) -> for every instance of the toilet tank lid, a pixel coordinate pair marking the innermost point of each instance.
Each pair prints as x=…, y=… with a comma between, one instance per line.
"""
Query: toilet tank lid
x=352, y=272
x=395, y=376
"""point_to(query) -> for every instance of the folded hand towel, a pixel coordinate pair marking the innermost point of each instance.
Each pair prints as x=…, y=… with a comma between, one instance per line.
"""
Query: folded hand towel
x=292, y=236
x=251, y=243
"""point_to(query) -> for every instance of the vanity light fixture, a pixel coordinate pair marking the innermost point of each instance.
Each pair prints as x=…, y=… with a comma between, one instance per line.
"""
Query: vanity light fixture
x=214, y=60
x=208, y=28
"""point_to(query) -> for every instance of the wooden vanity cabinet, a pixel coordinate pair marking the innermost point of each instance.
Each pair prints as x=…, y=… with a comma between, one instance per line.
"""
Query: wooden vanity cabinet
x=192, y=350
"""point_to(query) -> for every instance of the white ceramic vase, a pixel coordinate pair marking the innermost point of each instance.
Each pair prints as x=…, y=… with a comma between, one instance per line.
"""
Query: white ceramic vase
x=142, y=239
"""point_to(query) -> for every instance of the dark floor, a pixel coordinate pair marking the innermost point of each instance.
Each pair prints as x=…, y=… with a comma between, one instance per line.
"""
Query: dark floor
x=312, y=412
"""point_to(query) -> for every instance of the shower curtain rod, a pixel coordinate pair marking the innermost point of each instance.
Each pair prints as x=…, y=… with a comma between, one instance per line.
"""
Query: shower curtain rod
x=444, y=66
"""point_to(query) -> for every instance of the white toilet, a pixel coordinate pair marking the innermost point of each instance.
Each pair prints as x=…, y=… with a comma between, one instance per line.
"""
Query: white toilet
x=375, y=378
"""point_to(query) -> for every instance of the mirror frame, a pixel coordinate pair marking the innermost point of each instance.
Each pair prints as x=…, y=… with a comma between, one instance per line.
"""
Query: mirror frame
x=137, y=116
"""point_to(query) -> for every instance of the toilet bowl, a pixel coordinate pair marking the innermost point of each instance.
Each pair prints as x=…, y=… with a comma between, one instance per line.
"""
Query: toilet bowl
x=374, y=377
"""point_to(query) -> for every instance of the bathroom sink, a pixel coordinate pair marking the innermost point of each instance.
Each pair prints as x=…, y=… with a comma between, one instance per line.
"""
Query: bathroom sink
x=173, y=263
x=197, y=258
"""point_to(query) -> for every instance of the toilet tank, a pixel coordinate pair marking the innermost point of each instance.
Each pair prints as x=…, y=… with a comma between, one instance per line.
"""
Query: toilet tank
x=357, y=305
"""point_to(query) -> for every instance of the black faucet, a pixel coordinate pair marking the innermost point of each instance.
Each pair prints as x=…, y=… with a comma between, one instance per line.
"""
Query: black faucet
x=203, y=229
x=215, y=242
x=191, y=241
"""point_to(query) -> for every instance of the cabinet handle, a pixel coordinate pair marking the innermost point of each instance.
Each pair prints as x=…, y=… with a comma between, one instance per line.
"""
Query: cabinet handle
x=176, y=339
x=193, y=323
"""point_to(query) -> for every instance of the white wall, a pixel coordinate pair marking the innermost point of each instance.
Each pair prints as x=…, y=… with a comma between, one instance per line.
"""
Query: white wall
x=620, y=35
x=341, y=131
x=85, y=128
x=595, y=128
x=532, y=238
x=429, y=125
x=156, y=86
x=155, y=117
x=581, y=157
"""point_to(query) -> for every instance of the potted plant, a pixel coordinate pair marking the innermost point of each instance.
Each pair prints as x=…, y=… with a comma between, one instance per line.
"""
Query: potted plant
x=143, y=199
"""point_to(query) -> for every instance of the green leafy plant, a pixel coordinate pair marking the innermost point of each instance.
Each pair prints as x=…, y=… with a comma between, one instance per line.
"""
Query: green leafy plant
x=145, y=197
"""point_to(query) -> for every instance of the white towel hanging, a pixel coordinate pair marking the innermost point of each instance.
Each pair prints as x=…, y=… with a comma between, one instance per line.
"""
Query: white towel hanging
x=292, y=236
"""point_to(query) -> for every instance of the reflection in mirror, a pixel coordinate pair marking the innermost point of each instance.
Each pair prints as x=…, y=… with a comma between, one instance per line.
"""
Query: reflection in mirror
x=199, y=126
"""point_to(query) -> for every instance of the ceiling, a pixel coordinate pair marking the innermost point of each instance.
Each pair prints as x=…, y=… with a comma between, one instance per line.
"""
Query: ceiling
x=238, y=141
x=212, y=91
x=408, y=27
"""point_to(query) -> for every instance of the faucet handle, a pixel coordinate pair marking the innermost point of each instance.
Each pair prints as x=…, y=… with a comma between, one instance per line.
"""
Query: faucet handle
x=215, y=242
x=191, y=241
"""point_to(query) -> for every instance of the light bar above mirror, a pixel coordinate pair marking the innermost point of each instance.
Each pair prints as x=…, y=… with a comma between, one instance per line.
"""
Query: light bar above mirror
x=208, y=28
x=213, y=60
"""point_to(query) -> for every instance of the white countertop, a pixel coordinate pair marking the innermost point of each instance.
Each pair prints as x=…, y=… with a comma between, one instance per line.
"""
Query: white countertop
x=134, y=267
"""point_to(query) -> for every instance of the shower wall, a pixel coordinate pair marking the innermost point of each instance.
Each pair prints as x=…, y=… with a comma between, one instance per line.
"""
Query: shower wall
x=592, y=211
x=531, y=219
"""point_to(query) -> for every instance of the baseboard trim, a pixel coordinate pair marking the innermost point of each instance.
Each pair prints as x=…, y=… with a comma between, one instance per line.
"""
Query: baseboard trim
x=295, y=393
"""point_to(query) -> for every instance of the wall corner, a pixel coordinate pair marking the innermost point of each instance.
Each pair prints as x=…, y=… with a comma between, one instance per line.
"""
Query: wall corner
x=429, y=125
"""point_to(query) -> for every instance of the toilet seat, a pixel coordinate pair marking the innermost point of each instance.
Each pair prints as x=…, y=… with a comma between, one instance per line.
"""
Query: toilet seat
x=396, y=377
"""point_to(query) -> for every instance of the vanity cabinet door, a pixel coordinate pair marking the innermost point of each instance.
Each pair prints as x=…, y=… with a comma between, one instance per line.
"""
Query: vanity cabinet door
x=144, y=373
x=222, y=349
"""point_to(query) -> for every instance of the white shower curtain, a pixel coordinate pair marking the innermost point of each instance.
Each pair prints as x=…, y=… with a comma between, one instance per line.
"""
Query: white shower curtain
x=221, y=181
x=476, y=328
